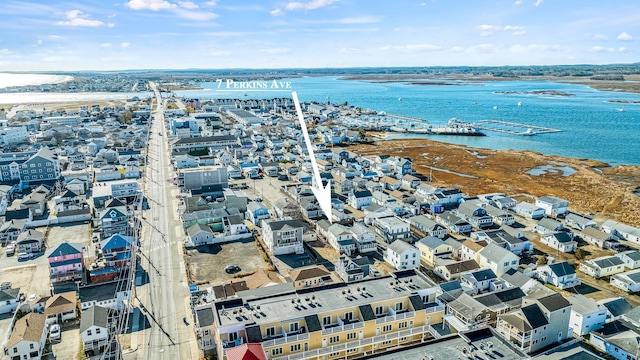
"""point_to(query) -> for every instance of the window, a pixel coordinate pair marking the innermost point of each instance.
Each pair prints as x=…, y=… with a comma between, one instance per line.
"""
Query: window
x=402, y=325
x=334, y=339
x=88, y=332
x=334, y=354
x=276, y=351
x=506, y=264
x=351, y=336
x=379, y=310
x=206, y=332
x=296, y=347
x=233, y=336
x=293, y=327
x=399, y=306
x=388, y=342
x=271, y=331
x=97, y=331
x=326, y=320
x=387, y=328
x=31, y=346
x=351, y=351
x=348, y=316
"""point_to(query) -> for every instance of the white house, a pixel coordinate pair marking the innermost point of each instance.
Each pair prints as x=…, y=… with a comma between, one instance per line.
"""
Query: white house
x=360, y=199
x=27, y=338
x=553, y=206
x=341, y=239
x=630, y=258
x=402, y=255
x=497, y=258
x=391, y=228
x=529, y=210
x=283, y=236
x=626, y=232
x=9, y=299
x=586, y=314
x=560, y=275
x=94, y=329
x=599, y=238
x=628, y=281
x=365, y=239
x=602, y=266
x=560, y=241
x=579, y=222
x=200, y=234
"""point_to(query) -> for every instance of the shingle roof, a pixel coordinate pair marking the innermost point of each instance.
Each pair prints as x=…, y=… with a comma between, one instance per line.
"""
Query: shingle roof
x=66, y=249
x=205, y=316
x=95, y=315
x=310, y=272
x=534, y=315
x=562, y=269
x=400, y=246
x=554, y=302
x=22, y=331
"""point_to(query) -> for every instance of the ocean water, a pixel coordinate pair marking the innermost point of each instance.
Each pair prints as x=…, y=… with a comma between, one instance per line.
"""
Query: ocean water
x=12, y=79
x=592, y=127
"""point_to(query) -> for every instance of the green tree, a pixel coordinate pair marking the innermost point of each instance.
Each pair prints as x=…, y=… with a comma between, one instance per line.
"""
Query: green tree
x=542, y=260
x=580, y=254
x=125, y=117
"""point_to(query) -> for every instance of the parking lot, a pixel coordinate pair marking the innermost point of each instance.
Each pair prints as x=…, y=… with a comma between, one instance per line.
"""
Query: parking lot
x=208, y=262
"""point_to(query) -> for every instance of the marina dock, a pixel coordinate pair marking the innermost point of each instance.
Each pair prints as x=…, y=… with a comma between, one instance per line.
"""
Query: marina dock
x=512, y=128
x=407, y=118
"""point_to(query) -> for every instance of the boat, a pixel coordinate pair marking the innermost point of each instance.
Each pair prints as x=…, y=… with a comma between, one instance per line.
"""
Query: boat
x=519, y=103
x=528, y=132
x=399, y=99
x=621, y=110
x=495, y=107
x=245, y=94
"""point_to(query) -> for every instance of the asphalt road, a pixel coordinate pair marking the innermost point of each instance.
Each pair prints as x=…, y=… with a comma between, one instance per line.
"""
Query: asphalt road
x=164, y=297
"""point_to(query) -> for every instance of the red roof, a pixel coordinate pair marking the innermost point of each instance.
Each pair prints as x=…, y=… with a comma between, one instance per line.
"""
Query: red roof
x=246, y=352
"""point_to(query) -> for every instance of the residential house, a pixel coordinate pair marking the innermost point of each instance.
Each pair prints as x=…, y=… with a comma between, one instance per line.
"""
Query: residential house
x=560, y=275
x=628, y=281
x=9, y=300
x=256, y=212
x=310, y=276
x=474, y=214
x=503, y=238
x=283, y=236
x=617, y=339
x=602, y=266
x=500, y=216
x=424, y=226
x=451, y=270
x=110, y=295
x=391, y=228
x=410, y=181
x=432, y=248
x=360, y=199
x=341, y=239
x=630, y=258
x=66, y=263
x=529, y=210
x=116, y=250
x=285, y=208
x=200, y=234
x=469, y=249
x=579, y=222
x=94, y=330
x=553, y=206
x=28, y=338
x=538, y=324
x=113, y=219
x=548, y=226
x=36, y=201
x=623, y=231
x=30, y=241
x=497, y=259
x=390, y=183
x=61, y=307
x=205, y=328
x=310, y=209
x=586, y=315
x=478, y=280
x=352, y=269
x=599, y=238
x=402, y=255
x=560, y=241
x=453, y=222
x=30, y=166
x=364, y=238
x=10, y=230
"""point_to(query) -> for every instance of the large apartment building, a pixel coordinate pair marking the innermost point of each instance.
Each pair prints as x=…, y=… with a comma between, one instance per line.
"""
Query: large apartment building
x=328, y=322
x=29, y=166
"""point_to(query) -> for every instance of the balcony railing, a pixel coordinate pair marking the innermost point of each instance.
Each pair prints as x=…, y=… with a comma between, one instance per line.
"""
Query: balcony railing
x=283, y=339
x=355, y=344
x=396, y=316
x=65, y=276
x=433, y=309
x=340, y=328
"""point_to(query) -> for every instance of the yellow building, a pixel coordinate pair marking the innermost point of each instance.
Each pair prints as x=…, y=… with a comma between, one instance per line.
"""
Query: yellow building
x=330, y=322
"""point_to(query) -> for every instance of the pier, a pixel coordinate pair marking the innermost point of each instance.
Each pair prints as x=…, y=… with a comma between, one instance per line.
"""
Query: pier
x=408, y=118
x=512, y=128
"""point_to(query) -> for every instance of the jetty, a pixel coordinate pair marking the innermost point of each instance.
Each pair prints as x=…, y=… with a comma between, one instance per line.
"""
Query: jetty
x=512, y=128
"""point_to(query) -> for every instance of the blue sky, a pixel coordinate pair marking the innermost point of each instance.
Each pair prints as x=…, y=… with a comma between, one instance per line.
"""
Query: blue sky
x=176, y=34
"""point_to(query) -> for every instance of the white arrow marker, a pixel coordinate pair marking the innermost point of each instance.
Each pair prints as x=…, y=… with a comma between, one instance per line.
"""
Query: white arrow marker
x=322, y=195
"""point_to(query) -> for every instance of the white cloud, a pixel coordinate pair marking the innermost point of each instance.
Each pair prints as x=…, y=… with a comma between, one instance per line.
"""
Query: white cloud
x=195, y=15
x=275, y=51
x=111, y=25
x=219, y=52
x=78, y=18
x=309, y=5
x=486, y=30
x=423, y=4
x=5, y=52
x=411, y=48
x=538, y=3
x=622, y=49
x=188, y=5
x=276, y=12
x=484, y=48
x=600, y=49
x=519, y=48
x=456, y=49
x=211, y=3
x=154, y=5
x=125, y=44
x=360, y=20
x=624, y=36
x=518, y=2
x=600, y=37
x=106, y=45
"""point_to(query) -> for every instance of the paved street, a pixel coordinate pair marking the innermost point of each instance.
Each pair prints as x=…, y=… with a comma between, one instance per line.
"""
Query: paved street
x=164, y=299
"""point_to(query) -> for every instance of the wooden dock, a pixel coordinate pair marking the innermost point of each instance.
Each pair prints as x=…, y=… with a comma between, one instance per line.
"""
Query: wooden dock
x=512, y=128
x=408, y=118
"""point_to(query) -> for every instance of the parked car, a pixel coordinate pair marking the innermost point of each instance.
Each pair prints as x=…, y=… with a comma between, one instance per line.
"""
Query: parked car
x=54, y=332
x=11, y=249
x=24, y=256
x=230, y=269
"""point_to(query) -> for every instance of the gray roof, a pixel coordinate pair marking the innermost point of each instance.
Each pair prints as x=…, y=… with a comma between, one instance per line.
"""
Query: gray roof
x=205, y=316
x=9, y=294
x=549, y=223
x=431, y=242
x=280, y=224
x=616, y=306
x=562, y=269
x=495, y=253
x=94, y=316
x=584, y=305
x=400, y=246
x=554, y=302
x=196, y=228
x=634, y=255
x=606, y=262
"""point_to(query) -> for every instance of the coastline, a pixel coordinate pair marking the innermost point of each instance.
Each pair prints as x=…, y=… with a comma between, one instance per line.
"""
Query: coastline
x=593, y=187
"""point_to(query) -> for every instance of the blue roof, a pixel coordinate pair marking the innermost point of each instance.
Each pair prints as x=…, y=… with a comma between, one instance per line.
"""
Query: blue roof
x=193, y=288
x=65, y=262
x=66, y=249
x=116, y=241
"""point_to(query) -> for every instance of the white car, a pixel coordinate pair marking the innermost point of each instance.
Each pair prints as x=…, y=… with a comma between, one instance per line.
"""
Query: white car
x=11, y=249
x=54, y=332
x=24, y=256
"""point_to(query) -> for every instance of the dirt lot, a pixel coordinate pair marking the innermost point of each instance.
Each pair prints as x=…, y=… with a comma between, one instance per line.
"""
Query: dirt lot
x=604, y=191
x=208, y=262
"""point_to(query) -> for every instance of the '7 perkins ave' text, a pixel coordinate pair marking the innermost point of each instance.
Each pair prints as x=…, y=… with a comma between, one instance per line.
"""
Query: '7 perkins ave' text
x=253, y=84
